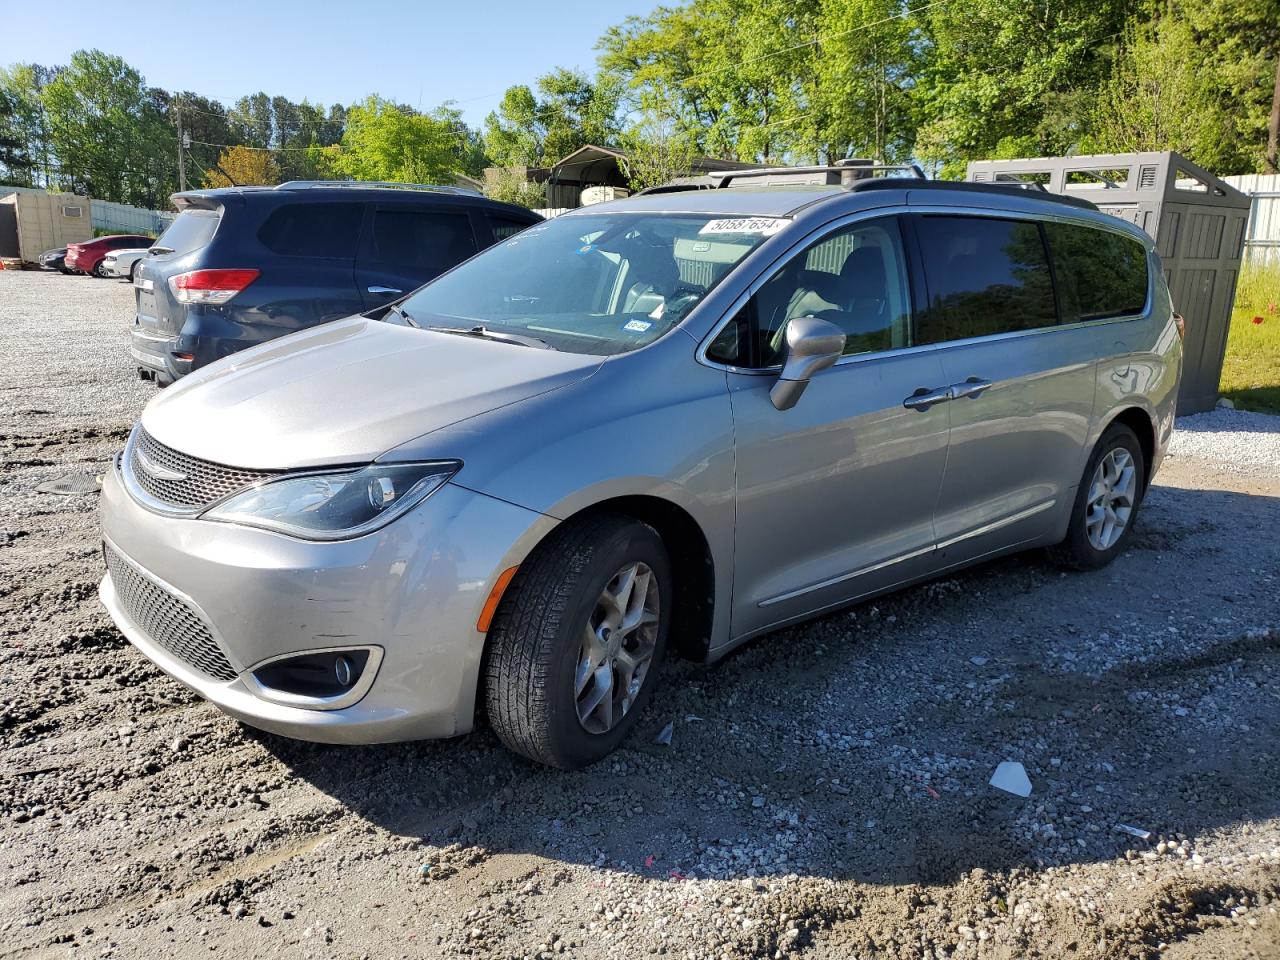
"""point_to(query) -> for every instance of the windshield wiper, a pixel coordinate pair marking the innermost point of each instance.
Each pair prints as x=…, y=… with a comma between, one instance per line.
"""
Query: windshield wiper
x=486, y=334
x=399, y=311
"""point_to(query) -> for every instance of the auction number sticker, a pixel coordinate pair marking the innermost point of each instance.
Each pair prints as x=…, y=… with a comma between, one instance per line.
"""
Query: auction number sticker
x=765, y=226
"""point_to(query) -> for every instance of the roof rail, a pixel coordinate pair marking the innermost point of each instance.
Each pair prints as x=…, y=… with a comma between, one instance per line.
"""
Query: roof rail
x=1004, y=187
x=378, y=185
x=851, y=170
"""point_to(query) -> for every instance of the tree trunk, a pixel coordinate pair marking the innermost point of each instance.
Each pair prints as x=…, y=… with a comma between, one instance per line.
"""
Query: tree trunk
x=1272, y=159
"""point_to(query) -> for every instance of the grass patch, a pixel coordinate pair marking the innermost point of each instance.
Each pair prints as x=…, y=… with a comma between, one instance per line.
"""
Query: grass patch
x=1251, y=370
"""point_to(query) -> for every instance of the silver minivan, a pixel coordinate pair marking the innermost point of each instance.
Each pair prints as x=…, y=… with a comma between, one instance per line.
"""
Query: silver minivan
x=659, y=426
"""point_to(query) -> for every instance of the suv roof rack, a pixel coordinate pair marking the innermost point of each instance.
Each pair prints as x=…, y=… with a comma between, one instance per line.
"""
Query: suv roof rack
x=847, y=172
x=1000, y=187
x=378, y=185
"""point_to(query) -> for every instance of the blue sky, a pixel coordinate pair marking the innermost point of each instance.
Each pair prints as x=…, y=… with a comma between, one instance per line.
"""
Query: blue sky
x=419, y=53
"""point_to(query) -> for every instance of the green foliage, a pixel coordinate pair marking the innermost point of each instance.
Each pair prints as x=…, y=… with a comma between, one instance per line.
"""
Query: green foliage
x=111, y=140
x=657, y=153
x=536, y=129
x=509, y=187
x=1251, y=370
x=384, y=141
x=24, y=153
x=1160, y=97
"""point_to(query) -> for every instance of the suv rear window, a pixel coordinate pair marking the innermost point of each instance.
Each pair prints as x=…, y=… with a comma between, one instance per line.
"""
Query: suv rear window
x=192, y=230
x=985, y=276
x=313, y=230
x=1101, y=273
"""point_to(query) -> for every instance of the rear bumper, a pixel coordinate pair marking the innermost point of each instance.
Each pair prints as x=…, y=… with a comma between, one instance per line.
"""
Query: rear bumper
x=157, y=353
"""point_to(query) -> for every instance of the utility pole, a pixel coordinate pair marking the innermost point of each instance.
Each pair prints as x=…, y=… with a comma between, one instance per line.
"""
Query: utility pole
x=184, y=141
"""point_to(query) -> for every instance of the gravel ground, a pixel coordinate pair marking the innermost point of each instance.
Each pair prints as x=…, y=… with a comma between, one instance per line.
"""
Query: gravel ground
x=824, y=794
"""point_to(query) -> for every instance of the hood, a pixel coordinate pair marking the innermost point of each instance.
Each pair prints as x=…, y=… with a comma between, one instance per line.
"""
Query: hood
x=347, y=391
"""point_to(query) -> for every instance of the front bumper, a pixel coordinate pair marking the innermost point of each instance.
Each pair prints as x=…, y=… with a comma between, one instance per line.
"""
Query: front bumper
x=414, y=589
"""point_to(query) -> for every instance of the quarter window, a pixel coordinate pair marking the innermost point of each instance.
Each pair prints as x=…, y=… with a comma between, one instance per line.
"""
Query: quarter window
x=313, y=230
x=985, y=276
x=854, y=278
x=423, y=240
x=1101, y=273
x=504, y=228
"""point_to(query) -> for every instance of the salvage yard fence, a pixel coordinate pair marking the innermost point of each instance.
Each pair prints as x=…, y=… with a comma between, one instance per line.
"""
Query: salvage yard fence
x=1262, y=235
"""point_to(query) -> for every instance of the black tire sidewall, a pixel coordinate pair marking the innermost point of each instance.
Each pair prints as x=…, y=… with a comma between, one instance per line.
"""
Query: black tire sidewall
x=573, y=745
x=1083, y=553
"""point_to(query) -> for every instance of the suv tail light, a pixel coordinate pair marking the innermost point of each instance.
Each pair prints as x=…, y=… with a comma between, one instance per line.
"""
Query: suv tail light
x=210, y=286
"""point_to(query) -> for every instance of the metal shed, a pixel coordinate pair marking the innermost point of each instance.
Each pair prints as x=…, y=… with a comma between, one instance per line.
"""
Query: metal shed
x=31, y=223
x=1197, y=220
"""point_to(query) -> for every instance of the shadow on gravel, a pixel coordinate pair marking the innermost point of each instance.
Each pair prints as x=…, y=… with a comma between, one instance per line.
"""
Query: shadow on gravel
x=859, y=745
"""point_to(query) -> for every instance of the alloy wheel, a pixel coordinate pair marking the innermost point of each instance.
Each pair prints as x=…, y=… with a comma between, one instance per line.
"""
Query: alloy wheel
x=1112, y=497
x=618, y=644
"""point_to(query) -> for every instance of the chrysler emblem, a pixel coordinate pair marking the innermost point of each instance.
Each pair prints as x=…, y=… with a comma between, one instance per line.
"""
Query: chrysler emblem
x=154, y=470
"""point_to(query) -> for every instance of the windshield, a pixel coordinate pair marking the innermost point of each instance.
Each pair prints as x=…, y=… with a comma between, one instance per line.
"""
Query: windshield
x=191, y=231
x=599, y=283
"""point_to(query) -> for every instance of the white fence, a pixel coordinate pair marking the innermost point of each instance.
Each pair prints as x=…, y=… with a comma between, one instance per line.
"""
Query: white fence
x=1262, y=237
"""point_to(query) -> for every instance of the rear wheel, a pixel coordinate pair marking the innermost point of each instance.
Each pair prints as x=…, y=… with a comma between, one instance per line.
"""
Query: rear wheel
x=1106, y=503
x=578, y=641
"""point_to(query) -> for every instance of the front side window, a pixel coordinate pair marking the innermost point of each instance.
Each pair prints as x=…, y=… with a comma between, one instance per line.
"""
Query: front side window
x=1101, y=274
x=592, y=283
x=422, y=240
x=313, y=230
x=855, y=278
x=985, y=276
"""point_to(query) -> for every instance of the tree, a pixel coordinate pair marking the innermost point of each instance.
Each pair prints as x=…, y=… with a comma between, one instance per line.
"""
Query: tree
x=657, y=152
x=509, y=187
x=384, y=141
x=24, y=147
x=1000, y=78
x=1160, y=97
x=110, y=138
x=568, y=111
x=242, y=167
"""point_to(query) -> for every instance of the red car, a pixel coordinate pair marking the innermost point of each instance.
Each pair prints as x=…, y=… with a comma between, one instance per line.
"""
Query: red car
x=87, y=257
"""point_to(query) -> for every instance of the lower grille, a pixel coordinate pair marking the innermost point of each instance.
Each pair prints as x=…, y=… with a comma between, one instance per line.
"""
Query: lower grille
x=201, y=481
x=169, y=621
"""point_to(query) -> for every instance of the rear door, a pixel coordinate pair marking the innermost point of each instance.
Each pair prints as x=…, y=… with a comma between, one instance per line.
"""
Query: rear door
x=408, y=245
x=1022, y=386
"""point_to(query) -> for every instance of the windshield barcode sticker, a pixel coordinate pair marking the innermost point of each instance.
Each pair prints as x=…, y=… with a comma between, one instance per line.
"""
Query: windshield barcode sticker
x=766, y=226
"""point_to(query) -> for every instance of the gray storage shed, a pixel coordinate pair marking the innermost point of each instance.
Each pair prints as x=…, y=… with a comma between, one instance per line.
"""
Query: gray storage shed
x=1197, y=220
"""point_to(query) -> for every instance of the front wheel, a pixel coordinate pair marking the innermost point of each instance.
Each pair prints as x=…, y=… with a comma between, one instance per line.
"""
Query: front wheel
x=575, y=649
x=1106, y=503
x=98, y=271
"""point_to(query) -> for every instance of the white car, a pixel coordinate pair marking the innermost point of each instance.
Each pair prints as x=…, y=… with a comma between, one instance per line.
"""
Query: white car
x=121, y=263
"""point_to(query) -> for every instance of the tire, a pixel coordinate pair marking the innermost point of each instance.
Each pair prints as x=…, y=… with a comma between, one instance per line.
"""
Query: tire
x=98, y=271
x=536, y=643
x=133, y=271
x=1081, y=550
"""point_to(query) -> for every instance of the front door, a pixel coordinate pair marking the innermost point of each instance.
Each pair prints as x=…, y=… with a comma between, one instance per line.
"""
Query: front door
x=410, y=245
x=835, y=496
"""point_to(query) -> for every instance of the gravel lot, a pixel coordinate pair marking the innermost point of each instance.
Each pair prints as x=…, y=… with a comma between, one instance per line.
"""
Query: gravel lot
x=824, y=794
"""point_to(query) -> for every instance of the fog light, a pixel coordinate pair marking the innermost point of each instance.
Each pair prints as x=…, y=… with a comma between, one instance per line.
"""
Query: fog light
x=320, y=675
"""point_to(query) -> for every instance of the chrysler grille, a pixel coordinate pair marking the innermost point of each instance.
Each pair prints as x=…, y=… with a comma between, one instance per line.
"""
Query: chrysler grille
x=168, y=621
x=202, y=483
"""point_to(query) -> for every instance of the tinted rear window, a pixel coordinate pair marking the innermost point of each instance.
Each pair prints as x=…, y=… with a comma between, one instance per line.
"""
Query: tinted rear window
x=192, y=230
x=1100, y=273
x=985, y=276
x=313, y=230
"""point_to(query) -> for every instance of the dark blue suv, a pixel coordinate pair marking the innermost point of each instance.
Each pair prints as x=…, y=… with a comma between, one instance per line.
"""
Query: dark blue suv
x=243, y=265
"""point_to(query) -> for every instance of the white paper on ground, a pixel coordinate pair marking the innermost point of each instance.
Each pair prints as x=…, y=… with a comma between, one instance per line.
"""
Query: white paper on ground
x=1011, y=777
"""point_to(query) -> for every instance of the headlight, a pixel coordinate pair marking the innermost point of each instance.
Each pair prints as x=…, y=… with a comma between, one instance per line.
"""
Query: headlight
x=337, y=505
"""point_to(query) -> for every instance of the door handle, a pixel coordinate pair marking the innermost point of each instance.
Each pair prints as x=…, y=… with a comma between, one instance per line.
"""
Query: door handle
x=924, y=398
x=969, y=388
x=376, y=289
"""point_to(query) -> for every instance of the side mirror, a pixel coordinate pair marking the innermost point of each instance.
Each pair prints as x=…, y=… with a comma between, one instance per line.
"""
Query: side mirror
x=812, y=346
